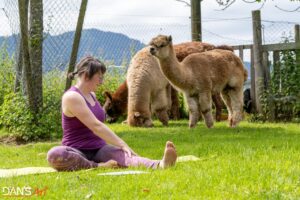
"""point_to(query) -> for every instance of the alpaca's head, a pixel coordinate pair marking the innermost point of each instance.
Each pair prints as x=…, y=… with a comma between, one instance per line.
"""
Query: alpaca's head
x=139, y=120
x=160, y=46
x=111, y=108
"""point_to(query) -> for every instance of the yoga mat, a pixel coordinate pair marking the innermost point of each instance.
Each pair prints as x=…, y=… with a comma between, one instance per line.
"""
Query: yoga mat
x=5, y=173
x=187, y=158
x=122, y=173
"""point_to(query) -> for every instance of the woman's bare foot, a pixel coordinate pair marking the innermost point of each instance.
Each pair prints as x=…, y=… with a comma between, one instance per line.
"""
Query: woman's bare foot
x=108, y=164
x=170, y=156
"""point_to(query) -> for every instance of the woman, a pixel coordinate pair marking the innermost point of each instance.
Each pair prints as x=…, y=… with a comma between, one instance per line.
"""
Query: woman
x=87, y=142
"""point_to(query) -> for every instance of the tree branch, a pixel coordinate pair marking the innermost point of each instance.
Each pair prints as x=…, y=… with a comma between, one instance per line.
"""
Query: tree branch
x=226, y=5
x=182, y=1
x=295, y=10
x=253, y=1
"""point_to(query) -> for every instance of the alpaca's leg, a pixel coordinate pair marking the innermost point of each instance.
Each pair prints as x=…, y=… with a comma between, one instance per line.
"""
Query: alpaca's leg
x=205, y=103
x=218, y=104
x=160, y=105
x=227, y=101
x=199, y=111
x=193, y=103
x=236, y=96
x=175, y=105
x=162, y=115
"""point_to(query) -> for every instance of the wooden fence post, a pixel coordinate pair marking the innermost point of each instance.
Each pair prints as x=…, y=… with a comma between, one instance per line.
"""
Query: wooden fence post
x=252, y=90
x=241, y=53
x=267, y=78
x=76, y=42
x=196, y=20
x=297, y=41
x=276, y=69
x=257, y=53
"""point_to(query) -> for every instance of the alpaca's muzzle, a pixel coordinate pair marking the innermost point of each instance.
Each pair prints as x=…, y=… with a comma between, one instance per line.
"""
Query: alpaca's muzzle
x=152, y=50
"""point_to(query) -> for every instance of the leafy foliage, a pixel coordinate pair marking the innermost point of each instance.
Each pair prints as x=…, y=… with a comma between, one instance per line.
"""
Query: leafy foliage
x=283, y=95
x=113, y=78
x=17, y=118
x=7, y=73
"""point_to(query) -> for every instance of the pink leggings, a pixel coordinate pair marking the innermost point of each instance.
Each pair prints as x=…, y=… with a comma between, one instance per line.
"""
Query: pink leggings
x=64, y=158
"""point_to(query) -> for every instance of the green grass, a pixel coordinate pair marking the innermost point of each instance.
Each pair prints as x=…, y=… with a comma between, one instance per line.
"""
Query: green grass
x=253, y=161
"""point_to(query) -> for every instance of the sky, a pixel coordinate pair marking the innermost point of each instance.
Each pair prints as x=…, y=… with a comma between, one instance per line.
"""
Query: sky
x=159, y=12
x=144, y=19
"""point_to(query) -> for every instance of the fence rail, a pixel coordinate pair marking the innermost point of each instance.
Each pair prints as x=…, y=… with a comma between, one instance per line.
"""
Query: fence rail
x=260, y=63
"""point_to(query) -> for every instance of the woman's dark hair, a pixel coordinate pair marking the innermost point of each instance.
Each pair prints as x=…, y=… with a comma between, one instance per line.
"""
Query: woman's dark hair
x=88, y=65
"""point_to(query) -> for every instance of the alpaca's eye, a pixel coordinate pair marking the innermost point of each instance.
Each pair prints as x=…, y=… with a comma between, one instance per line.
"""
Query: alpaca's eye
x=161, y=46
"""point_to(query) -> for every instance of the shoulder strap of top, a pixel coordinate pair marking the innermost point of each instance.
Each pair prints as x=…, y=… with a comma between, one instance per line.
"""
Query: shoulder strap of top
x=73, y=88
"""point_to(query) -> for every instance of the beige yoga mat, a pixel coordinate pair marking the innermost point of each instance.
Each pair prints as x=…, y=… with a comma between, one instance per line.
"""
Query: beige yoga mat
x=5, y=173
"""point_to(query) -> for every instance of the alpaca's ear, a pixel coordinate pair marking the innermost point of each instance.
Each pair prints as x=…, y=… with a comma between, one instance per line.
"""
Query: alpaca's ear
x=107, y=95
x=170, y=38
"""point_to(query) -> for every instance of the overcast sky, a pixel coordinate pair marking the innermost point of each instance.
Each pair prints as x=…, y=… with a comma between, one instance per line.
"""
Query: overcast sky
x=159, y=12
x=143, y=19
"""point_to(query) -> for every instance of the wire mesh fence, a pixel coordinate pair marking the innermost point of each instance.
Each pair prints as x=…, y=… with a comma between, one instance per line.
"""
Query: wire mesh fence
x=116, y=43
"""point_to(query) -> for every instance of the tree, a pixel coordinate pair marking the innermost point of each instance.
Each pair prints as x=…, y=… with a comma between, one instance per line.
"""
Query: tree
x=31, y=41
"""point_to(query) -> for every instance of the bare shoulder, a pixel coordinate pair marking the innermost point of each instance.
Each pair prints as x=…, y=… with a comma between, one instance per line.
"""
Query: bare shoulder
x=72, y=97
x=72, y=101
x=93, y=93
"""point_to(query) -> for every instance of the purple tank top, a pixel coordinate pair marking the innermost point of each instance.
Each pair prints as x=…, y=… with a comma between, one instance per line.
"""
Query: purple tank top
x=76, y=134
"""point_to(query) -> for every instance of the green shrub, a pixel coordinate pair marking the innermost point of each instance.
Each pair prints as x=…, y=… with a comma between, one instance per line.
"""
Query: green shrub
x=282, y=98
x=16, y=117
x=7, y=73
x=113, y=78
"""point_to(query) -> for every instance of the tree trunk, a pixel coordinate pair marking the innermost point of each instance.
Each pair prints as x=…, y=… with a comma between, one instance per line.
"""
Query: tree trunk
x=23, y=17
x=36, y=51
x=76, y=42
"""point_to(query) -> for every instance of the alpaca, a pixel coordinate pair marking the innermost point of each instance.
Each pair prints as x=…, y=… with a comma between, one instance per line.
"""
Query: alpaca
x=148, y=88
x=148, y=91
x=200, y=75
x=116, y=103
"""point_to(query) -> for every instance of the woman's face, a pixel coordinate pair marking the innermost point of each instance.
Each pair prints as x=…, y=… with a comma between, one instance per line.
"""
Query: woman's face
x=96, y=80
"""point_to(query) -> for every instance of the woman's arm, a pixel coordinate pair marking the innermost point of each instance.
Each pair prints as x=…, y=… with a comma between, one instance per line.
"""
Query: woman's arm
x=73, y=104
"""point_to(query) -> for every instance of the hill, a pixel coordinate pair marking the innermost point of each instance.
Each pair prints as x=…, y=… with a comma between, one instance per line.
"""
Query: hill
x=114, y=48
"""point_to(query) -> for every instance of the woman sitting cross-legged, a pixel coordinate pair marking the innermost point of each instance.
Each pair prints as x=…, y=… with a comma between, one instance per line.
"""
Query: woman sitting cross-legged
x=87, y=142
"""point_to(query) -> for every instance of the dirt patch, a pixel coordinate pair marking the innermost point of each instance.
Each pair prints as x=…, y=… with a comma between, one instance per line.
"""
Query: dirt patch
x=11, y=140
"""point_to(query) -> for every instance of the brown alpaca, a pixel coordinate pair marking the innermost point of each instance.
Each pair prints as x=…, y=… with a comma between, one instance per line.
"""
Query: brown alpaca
x=200, y=75
x=116, y=103
x=148, y=87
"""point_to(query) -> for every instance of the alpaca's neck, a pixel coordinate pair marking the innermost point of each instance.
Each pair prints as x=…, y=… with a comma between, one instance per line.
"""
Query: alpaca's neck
x=172, y=69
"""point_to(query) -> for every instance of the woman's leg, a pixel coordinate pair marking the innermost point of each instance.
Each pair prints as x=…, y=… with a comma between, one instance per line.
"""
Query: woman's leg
x=64, y=158
x=109, y=152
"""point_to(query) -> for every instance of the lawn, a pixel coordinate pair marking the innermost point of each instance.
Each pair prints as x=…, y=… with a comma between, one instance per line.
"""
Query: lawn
x=253, y=161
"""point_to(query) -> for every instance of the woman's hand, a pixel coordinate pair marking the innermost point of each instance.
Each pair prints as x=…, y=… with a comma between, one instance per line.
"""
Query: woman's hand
x=109, y=164
x=128, y=150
